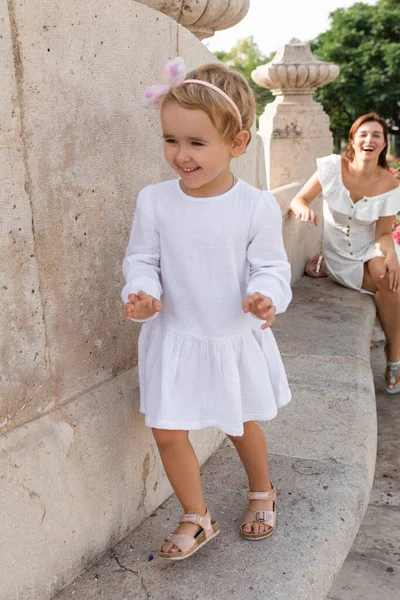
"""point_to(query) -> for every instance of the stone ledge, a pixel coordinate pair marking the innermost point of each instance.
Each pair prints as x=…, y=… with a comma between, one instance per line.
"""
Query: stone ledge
x=322, y=458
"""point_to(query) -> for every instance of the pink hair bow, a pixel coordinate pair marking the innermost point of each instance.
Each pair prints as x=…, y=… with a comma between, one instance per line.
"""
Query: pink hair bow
x=174, y=75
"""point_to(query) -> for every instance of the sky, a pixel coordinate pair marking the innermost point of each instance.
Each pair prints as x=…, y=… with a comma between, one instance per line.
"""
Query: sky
x=275, y=22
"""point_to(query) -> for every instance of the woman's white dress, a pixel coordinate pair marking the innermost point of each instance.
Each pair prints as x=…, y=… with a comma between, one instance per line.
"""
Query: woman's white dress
x=349, y=227
x=202, y=361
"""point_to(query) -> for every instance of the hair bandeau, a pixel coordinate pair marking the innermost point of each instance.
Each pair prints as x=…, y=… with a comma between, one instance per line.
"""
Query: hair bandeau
x=174, y=74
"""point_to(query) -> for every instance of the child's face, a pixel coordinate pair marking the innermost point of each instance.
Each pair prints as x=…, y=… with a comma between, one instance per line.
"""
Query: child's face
x=194, y=147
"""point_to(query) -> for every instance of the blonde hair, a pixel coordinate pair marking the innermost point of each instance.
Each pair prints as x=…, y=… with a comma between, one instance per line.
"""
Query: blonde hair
x=220, y=112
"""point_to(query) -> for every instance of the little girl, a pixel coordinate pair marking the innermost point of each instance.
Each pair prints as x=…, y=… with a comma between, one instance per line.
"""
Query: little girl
x=206, y=271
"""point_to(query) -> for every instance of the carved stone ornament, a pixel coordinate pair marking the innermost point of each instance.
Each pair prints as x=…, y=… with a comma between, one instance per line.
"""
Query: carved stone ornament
x=202, y=17
x=295, y=71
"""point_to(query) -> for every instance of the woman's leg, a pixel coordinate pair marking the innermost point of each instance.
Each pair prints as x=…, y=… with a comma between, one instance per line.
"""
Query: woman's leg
x=182, y=469
x=387, y=305
x=252, y=450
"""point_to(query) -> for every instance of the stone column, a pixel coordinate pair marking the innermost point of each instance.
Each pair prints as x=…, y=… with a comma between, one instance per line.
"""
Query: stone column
x=294, y=128
x=202, y=17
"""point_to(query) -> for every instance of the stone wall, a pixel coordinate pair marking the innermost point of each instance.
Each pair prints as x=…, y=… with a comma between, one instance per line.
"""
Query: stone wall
x=79, y=469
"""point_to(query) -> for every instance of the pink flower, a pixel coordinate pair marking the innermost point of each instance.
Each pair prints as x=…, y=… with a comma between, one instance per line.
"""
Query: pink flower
x=396, y=234
x=395, y=172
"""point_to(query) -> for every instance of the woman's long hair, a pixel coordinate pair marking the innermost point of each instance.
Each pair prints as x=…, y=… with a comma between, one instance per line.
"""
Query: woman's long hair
x=374, y=117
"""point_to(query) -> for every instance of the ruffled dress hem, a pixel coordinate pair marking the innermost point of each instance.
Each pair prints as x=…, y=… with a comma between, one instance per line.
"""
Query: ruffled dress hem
x=226, y=428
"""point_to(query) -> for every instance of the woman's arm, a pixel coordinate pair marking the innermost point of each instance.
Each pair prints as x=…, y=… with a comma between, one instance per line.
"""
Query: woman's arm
x=308, y=193
x=385, y=243
x=383, y=235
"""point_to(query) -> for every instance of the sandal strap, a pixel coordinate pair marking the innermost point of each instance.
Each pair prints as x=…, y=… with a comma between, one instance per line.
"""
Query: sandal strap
x=269, y=495
x=181, y=540
x=266, y=517
x=393, y=371
x=204, y=521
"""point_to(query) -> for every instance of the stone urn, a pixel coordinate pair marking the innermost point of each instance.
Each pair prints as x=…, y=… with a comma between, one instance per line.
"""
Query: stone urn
x=202, y=17
x=294, y=70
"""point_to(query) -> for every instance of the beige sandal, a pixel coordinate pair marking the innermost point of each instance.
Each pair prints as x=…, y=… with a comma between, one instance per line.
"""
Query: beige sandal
x=188, y=544
x=264, y=517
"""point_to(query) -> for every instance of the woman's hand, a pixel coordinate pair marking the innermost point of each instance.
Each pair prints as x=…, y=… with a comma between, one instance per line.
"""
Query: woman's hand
x=303, y=212
x=308, y=193
x=392, y=270
x=261, y=306
x=141, y=306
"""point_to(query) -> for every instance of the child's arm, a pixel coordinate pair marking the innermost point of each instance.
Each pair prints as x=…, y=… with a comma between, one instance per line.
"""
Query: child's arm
x=141, y=266
x=269, y=268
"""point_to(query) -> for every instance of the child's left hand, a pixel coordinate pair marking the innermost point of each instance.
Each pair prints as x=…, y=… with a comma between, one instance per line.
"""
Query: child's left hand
x=261, y=306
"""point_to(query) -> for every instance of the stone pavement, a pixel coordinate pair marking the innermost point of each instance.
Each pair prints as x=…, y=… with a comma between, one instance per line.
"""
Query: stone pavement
x=372, y=569
x=322, y=449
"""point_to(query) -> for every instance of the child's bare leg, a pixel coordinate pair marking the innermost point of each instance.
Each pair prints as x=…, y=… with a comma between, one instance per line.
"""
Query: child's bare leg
x=252, y=450
x=182, y=469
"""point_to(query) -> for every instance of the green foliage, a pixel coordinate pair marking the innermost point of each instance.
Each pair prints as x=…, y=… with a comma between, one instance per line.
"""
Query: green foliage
x=364, y=41
x=246, y=56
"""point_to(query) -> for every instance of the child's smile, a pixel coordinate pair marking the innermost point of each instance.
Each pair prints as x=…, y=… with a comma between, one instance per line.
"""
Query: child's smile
x=196, y=150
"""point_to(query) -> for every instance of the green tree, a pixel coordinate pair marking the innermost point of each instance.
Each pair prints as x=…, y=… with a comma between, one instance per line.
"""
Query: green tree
x=245, y=56
x=364, y=41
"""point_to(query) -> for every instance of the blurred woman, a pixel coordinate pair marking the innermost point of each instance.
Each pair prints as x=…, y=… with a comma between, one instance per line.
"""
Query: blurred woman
x=361, y=199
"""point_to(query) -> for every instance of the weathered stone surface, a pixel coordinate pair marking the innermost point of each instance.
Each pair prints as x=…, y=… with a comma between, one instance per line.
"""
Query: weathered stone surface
x=25, y=385
x=340, y=316
x=372, y=569
x=75, y=482
x=318, y=391
x=318, y=514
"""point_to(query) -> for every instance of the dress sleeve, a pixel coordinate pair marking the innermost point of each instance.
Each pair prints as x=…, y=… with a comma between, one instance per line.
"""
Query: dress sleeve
x=391, y=204
x=329, y=170
x=269, y=268
x=141, y=265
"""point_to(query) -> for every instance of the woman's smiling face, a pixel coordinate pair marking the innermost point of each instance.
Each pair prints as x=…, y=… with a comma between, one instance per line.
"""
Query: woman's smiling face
x=369, y=141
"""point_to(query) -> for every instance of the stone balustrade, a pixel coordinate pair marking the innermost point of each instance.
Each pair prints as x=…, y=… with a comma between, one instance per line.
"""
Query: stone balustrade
x=294, y=128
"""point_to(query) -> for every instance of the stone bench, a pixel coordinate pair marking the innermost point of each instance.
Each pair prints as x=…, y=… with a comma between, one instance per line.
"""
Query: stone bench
x=322, y=456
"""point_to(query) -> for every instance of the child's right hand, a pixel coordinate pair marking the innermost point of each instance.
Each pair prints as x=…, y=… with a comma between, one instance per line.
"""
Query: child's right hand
x=141, y=306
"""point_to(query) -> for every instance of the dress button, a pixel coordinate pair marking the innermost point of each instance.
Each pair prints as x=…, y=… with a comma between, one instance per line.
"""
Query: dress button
x=349, y=244
x=350, y=218
x=365, y=200
x=351, y=253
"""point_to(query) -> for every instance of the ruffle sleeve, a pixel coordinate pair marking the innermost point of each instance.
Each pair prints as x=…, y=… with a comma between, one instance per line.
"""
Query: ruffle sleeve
x=390, y=204
x=329, y=172
x=384, y=205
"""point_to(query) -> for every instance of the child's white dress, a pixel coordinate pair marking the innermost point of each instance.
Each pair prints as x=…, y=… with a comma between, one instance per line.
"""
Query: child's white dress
x=349, y=228
x=202, y=361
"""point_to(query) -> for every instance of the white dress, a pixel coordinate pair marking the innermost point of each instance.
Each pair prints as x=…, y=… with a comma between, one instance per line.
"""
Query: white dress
x=202, y=361
x=349, y=227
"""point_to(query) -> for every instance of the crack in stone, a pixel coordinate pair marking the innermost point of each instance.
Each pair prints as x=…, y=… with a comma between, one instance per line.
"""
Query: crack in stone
x=121, y=566
x=19, y=82
x=145, y=588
